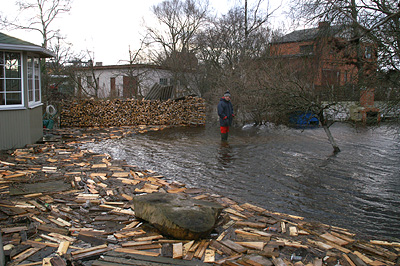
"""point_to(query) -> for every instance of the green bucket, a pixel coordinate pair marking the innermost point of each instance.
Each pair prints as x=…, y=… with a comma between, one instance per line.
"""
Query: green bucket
x=48, y=123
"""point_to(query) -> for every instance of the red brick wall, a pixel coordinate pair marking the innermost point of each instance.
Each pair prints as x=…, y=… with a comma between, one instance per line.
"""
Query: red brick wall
x=324, y=57
x=367, y=98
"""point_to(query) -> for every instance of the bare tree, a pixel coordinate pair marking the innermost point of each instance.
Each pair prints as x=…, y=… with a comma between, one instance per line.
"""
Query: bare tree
x=290, y=90
x=172, y=41
x=376, y=21
x=134, y=79
x=40, y=14
x=83, y=75
x=229, y=51
x=60, y=82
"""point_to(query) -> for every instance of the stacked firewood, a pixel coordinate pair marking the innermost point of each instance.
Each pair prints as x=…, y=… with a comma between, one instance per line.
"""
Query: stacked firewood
x=189, y=111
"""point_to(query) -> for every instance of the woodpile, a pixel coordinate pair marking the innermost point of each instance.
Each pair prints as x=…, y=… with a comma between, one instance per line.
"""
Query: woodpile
x=62, y=205
x=189, y=111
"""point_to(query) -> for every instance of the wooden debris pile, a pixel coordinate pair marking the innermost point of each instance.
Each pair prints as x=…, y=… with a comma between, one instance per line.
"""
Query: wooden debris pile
x=189, y=111
x=62, y=205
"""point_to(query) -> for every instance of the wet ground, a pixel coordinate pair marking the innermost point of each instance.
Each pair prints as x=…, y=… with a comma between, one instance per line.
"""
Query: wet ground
x=285, y=170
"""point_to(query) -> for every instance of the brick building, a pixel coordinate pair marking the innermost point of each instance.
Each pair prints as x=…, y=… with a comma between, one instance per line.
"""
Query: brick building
x=327, y=58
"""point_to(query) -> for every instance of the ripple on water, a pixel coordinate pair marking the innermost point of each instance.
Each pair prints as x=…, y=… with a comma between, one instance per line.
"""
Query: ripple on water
x=283, y=169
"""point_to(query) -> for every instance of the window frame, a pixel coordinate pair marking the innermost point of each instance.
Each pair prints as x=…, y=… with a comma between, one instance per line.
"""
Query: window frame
x=163, y=81
x=306, y=49
x=3, y=78
x=330, y=77
x=35, y=82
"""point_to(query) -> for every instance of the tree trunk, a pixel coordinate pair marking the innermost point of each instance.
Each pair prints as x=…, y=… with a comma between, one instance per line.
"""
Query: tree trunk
x=331, y=139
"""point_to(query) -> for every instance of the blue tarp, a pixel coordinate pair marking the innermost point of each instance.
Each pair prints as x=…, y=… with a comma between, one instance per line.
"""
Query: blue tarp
x=303, y=119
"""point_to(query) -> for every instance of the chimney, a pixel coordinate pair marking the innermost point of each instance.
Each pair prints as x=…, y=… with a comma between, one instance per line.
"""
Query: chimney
x=99, y=63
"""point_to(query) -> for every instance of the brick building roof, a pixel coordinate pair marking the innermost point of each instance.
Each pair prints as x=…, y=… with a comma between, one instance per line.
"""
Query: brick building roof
x=310, y=34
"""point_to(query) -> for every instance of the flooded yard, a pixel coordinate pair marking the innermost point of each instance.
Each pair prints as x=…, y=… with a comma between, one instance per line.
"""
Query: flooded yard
x=282, y=169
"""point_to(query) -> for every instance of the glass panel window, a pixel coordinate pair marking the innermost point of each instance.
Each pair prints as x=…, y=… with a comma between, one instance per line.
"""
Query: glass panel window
x=11, y=93
x=34, y=80
x=13, y=85
x=37, y=90
x=14, y=98
x=30, y=79
x=89, y=80
x=163, y=81
x=306, y=49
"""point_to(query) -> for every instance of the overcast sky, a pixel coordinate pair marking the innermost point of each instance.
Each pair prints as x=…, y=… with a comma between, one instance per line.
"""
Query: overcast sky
x=107, y=28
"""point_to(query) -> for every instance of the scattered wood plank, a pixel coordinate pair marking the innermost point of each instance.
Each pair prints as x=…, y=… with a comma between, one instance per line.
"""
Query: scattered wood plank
x=63, y=248
x=90, y=253
x=9, y=230
x=148, y=246
x=209, y=256
x=258, y=261
x=201, y=249
x=344, y=237
x=24, y=255
x=385, y=243
x=334, y=239
x=278, y=262
x=186, y=247
x=100, y=247
x=251, y=224
x=234, y=212
x=252, y=245
x=138, y=252
x=356, y=260
x=146, y=238
x=177, y=251
x=235, y=246
x=317, y=262
x=224, y=249
x=363, y=257
x=130, y=259
x=293, y=231
x=320, y=244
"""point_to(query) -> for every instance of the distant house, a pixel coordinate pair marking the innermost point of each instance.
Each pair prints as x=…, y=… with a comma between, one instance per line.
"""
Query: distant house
x=326, y=57
x=20, y=92
x=127, y=81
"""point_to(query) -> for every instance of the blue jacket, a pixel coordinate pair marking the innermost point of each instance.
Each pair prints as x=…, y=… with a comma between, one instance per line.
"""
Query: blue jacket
x=225, y=109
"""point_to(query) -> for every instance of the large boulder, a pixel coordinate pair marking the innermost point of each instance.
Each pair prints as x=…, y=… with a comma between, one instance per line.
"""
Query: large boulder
x=177, y=215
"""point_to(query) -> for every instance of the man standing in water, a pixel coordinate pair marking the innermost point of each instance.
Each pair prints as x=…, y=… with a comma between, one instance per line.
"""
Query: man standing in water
x=225, y=113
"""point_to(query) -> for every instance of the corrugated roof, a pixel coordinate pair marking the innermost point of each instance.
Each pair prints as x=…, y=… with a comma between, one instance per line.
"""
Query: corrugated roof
x=159, y=92
x=11, y=43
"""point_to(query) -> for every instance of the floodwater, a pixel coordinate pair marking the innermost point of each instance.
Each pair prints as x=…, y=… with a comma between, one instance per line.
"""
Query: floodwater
x=282, y=169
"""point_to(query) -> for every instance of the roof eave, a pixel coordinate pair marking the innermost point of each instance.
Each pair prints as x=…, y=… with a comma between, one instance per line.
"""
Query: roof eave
x=44, y=53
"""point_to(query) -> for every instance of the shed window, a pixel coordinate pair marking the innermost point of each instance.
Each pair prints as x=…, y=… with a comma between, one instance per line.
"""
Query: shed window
x=306, y=49
x=34, y=95
x=10, y=80
x=89, y=80
x=164, y=81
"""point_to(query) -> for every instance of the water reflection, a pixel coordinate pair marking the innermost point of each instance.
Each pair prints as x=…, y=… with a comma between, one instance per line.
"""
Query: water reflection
x=283, y=169
x=225, y=154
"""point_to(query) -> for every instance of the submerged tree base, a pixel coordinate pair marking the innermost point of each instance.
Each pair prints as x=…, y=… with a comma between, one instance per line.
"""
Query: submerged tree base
x=331, y=139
